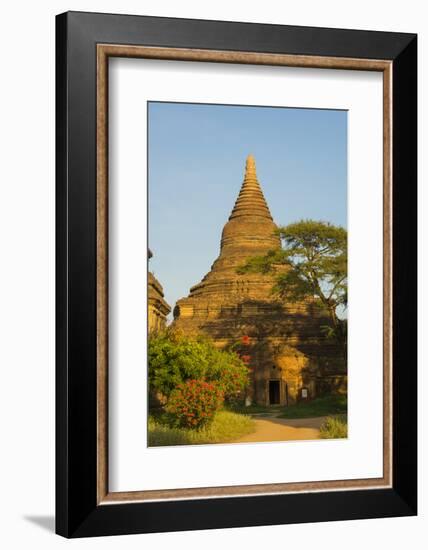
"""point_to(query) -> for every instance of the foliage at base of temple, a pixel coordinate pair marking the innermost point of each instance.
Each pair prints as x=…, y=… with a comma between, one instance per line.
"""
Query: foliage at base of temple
x=335, y=427
x=225, y=427
x=193, y=403
x=175, y=358
x=190, y=378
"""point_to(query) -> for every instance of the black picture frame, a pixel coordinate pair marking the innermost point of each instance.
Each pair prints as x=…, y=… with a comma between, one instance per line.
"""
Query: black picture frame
x=77, y=511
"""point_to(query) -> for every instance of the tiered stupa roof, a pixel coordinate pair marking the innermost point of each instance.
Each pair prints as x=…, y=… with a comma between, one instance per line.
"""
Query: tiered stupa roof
x=250, y=231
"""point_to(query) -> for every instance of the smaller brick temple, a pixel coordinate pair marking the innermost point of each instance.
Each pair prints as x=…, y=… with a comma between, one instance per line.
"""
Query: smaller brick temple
x=289, y=357
x=158, y=309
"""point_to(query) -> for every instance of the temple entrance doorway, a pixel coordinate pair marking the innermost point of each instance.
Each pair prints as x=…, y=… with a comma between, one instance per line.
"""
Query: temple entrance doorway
x=274, y=392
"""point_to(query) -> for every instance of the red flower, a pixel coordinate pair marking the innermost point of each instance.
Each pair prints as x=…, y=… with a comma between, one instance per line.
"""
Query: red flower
x=193, y=403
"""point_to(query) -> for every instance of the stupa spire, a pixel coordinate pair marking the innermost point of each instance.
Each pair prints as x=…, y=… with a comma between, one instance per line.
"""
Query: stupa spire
x=250, y=168
x=250, y=201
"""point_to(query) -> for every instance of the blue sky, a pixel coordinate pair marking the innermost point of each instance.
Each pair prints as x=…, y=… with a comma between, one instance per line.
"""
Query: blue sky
x=196, y=166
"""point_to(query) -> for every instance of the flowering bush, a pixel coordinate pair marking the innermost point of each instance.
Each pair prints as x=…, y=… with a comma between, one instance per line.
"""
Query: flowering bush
x=231, y=379
x=175, y=358
x=194, y=402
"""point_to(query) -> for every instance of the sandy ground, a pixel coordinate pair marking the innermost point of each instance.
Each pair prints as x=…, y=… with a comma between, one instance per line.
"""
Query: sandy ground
x=282, y=429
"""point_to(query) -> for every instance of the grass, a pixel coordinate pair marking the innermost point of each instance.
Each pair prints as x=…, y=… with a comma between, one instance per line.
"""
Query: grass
x=327, y=405
x=335, y=427
x=226, y=426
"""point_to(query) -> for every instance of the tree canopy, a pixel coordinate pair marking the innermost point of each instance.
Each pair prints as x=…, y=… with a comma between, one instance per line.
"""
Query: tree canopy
x=311, y=263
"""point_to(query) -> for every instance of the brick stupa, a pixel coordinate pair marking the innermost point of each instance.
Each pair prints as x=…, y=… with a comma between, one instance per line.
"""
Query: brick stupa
x=288, y=354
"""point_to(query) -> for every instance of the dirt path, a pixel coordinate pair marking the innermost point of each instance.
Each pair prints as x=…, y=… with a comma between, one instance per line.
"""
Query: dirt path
x=282, y=429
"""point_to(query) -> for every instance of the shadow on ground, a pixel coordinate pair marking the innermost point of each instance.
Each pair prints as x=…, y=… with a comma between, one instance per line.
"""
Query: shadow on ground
x=45, y=522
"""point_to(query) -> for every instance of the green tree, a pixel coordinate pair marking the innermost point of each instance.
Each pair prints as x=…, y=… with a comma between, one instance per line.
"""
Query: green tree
x=311, y=263
x=175, y=358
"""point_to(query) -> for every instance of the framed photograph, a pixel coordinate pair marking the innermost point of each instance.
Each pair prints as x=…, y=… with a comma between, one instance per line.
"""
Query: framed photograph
x=236, y=274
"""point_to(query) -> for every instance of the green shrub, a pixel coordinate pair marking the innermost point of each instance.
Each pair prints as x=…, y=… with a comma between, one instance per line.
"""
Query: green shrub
x=175, y=358
x=335, y=427
x=225, y=427
x=193, y=403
